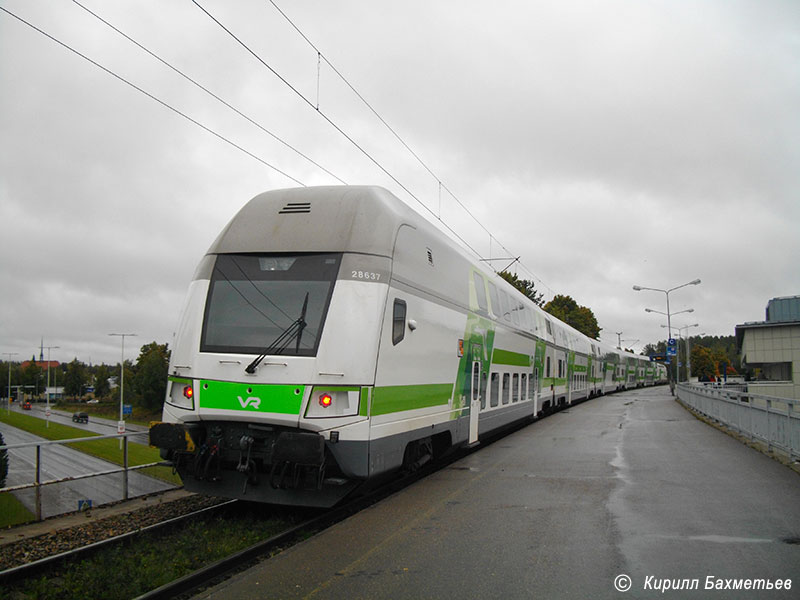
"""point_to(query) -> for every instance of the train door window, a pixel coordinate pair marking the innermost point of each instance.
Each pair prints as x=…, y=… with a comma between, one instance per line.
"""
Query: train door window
x=535, y=380
x=506, y=388
x=398, y=321
x=515, y=387
x=480, y=292
x=494, y=392
x=476, y=379
x=493, y=298
x=547, y=368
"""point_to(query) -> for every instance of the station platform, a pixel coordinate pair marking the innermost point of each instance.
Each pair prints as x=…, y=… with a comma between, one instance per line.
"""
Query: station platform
x=606, y=499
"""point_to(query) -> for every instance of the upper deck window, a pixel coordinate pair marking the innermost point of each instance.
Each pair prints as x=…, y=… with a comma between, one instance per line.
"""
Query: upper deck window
x=274, y=304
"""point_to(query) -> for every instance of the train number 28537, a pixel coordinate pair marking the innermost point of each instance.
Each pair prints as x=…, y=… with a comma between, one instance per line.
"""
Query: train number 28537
x=369, y=275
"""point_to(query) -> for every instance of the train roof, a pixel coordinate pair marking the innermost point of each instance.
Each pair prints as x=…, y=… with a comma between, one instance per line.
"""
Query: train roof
x=362, y=219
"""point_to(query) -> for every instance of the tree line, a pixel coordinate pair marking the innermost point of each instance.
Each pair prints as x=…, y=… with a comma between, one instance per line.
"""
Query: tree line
x=562, y=307
x=145, y=380
x=712, y=357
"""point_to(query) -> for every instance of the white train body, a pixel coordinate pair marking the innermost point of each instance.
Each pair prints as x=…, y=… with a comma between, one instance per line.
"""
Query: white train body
x=381, y=343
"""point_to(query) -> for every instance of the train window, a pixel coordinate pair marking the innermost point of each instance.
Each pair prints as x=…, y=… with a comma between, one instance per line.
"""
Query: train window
x=494, y=300
x=398, y=321
x=514, y=307
x=515, y=387
x=504, y=306
x=255, y=303
x=524, y=389
x=549, y=328
x=506, y=388
x=547, y=368
x=494, y=393
x=480, y=292
x=483, y=390
x=525, y=318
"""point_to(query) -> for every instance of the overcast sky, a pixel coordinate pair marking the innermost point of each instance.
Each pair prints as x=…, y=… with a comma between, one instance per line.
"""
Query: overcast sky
x=606, y=143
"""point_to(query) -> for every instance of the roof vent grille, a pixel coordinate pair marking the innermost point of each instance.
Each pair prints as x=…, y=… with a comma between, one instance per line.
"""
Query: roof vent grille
x=295, y=207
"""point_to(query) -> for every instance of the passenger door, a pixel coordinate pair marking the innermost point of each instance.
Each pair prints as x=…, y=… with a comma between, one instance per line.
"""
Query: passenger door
x=475, y=401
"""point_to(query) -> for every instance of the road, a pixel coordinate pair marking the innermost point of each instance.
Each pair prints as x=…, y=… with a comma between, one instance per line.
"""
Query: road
x=58, y=461
x=95, y=424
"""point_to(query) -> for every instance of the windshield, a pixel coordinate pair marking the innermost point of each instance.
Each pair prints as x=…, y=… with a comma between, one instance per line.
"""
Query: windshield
x=254, y=299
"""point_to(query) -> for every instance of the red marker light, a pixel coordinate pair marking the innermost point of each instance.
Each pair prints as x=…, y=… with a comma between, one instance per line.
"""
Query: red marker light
x=325, y=400
x=188, y=392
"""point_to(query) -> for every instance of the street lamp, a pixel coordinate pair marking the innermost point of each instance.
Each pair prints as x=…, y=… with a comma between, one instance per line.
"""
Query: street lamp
x=639, y=288
x=8, y=402
x=47, y=391
x=121, y=424
x=688, y=350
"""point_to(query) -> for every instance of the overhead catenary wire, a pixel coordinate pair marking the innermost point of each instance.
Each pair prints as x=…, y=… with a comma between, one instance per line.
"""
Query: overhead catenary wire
x=341, y=131
x=441, y=185
x=151, y=96
x=209, y=92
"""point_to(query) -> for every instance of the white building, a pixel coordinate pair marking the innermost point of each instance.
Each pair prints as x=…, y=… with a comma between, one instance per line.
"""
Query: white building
x=773, y=347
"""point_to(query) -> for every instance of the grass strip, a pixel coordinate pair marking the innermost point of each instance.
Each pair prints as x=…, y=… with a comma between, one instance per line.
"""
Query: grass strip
x=13, y=512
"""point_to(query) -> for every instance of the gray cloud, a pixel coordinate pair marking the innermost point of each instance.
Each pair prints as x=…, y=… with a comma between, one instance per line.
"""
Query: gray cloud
x=608, y=144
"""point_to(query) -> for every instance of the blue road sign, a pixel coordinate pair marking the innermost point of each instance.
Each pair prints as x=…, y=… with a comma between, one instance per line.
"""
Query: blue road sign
x=127, y=409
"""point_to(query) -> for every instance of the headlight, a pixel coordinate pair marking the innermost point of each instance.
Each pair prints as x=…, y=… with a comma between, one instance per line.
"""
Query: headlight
x=181, y=393
x=330, y=402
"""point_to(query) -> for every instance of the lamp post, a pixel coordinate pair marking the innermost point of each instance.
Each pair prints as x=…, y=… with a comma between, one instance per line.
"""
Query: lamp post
x=121, y=424
x=639, y=288
x=8, y=360
x=47, y=389
x=688, y=350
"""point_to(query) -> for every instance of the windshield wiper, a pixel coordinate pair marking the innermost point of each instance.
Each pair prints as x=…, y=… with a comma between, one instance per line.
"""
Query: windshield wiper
x=294, y=330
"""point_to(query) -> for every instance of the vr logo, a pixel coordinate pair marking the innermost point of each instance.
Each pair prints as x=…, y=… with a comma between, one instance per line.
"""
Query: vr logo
x=251, y=401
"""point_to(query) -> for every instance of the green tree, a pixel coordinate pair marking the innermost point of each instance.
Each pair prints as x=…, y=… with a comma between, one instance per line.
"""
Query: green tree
x=580, y=317
x=129, y=387
x=525, y=286
x=75, y=378
x=150, y=380
x=101, y=377
x=31, y=375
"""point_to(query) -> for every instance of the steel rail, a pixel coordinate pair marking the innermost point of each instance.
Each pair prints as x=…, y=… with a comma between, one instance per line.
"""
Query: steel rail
x=20, y=572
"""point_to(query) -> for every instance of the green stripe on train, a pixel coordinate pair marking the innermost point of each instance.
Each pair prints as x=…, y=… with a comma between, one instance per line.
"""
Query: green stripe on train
x=397, y=398
x=283, y=399
x=514, y=359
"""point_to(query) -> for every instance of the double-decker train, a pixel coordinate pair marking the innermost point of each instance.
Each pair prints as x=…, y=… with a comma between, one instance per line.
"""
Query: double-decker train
x=332, y=335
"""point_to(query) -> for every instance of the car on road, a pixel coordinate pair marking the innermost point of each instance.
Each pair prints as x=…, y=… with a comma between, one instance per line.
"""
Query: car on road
x=93, y=401
x=80, y=417
x=26, y=405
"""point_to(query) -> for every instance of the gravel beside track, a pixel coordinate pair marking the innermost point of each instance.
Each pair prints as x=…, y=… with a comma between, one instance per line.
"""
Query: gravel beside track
x=62, y=540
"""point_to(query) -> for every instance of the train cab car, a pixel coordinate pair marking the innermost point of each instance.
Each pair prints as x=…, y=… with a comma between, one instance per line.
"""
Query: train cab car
x=332, y=335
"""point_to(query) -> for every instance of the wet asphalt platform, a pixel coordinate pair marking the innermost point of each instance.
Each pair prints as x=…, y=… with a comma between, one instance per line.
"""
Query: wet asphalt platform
x=625, y=492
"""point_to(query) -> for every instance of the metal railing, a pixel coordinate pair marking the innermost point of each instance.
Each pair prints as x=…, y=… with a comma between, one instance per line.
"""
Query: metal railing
x=37, y=485
x=772, y=420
